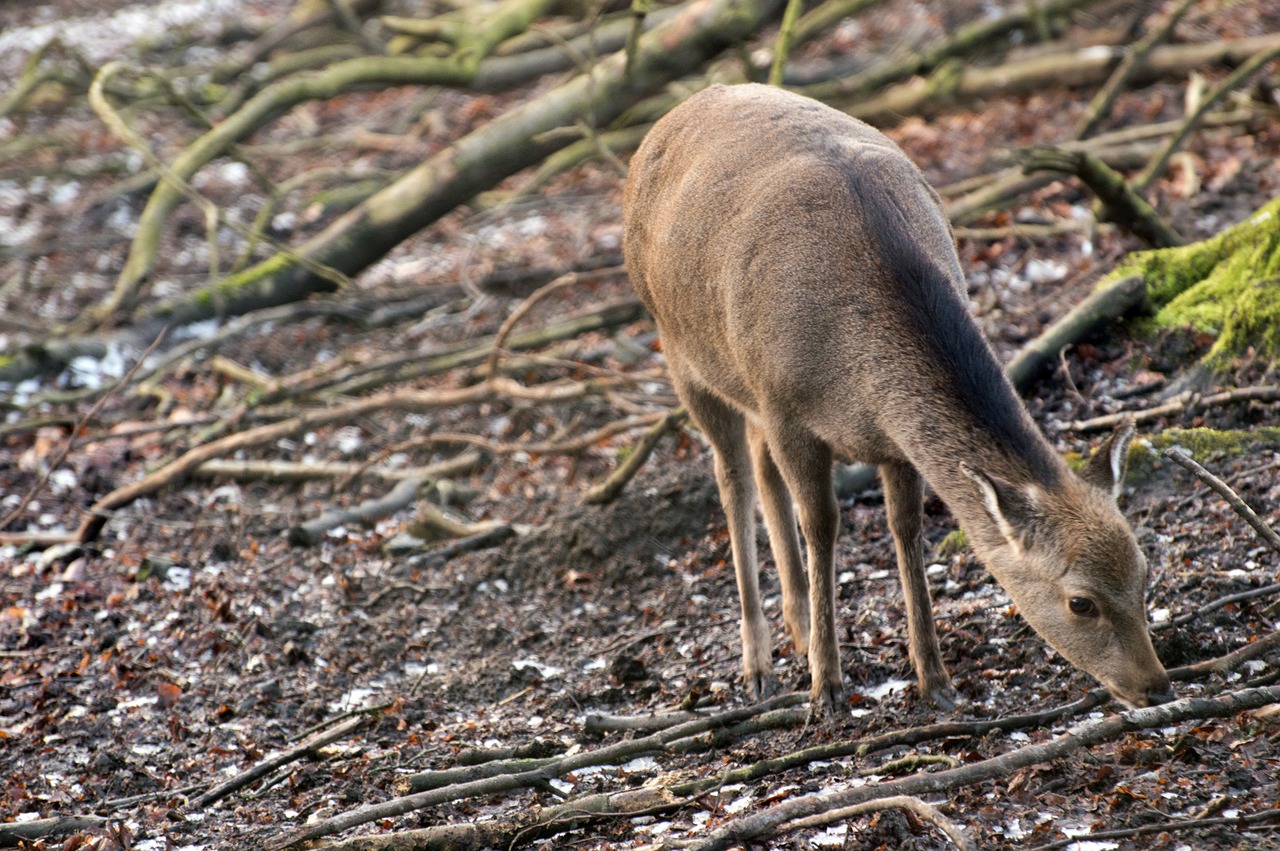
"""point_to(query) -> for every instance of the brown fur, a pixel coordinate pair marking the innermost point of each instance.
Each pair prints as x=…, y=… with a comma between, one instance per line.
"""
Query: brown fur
x=811, y=306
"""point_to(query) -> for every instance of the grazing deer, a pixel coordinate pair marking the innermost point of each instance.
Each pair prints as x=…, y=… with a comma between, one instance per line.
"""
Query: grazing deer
x=811, y=306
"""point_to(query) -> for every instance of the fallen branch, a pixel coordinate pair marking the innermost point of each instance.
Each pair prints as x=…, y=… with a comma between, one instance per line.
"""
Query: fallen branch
x=309, y=471
x=1085, y=319
x=512, y=17
x=1084, y=735
x=608, y=490
x=1221, y=602
x=405, y=367
x=1183, y=458
x=500, y=338
x=504, y=833
x=1240, y=823
x=425, y=400
x=1129, y=147
x=782, y=711
x=927, y=812
x=480, y=160
x=432, y=523
x=1188, y=401
x=403, y=495
x=1255, y=63
x=272, y=763
x=966, y=41
x=15, y=833
x=1133, y=59
x=608, y=755
x=954, y=85
x=1120, y=202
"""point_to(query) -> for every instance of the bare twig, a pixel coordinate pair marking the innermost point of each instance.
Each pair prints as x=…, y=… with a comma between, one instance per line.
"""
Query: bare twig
x=1133, y=59
x=1121, y=203
x=269, y=765
x=542, y=292
x=16, y=833
x=1241, y=822
x=1221, y=602
x=1188, y=401
x=782, y=46
x=98, y=514
x=608, y=755
x=608, y=490
x=292, y=471
x=1183, y=458
x=928, y=812
x=1247, y=69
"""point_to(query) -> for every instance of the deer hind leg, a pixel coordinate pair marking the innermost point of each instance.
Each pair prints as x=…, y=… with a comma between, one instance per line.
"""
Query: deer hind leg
x=904, y=505
x=780, y=519
x=805, y=465
x=726, y=430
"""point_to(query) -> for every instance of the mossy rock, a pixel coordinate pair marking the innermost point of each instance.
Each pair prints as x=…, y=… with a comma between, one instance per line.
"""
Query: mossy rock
x=1227, y=285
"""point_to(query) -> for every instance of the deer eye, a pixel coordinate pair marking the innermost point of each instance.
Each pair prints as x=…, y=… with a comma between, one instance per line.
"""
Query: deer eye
x=1083, y=606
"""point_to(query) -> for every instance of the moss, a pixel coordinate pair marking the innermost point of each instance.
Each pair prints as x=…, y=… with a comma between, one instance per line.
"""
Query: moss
x=1227, y=285
x=953, y=544
x=1203, y=442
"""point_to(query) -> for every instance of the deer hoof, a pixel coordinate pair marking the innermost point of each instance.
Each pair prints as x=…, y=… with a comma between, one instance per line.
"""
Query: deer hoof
x=826, y=701
x=762, y=686
x=944, y=696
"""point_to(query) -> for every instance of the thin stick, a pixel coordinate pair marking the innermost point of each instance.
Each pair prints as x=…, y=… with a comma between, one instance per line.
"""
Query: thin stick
x=1238, y=822
x=1251, y=66
x=1183, y=458
x=1133, y=59
x=279, y=760
x=928, y=812
x=782, y=47
x=1188, y=401
x=608, y=490
x=538, y=295
x=1081, y=736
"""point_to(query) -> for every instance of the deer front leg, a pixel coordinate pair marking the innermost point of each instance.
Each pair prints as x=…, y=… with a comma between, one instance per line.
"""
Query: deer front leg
x=904, y=505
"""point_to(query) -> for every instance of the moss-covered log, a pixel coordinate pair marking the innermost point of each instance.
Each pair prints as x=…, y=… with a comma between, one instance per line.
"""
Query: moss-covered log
x=1228, y=285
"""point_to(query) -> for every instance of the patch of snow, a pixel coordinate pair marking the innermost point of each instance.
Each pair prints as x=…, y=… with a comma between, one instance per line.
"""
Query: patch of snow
x=832, y=836
x=356, y=698
x=884, y=689
x=640, y=763
x=545, y=671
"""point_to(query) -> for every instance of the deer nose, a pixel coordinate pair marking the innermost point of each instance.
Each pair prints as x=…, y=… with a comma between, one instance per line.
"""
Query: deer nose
x=1160, y=694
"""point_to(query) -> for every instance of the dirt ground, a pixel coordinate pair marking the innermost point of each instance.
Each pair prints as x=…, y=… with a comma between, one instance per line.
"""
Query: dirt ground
x=193, y=640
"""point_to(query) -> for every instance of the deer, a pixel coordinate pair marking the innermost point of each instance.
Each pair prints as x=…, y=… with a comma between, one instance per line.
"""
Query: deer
x=811, y=306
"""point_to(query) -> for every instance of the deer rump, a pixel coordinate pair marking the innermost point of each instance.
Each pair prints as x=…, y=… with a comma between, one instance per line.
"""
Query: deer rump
x=811, y=305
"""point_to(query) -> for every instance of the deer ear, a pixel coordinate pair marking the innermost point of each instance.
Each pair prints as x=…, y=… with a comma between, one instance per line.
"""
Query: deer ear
x=1106, y=467
x=1014, y=510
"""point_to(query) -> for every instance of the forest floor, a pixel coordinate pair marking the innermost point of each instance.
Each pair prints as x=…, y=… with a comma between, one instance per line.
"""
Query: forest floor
x=193, y=640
